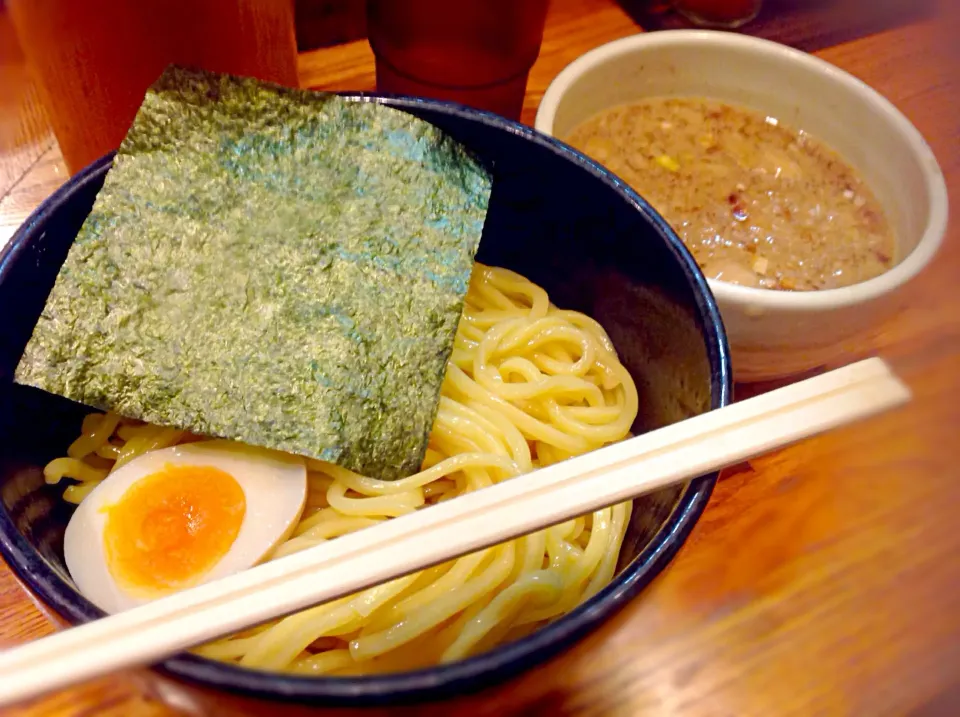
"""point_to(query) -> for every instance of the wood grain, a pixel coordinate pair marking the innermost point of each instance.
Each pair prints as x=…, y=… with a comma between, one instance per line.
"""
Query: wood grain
x=822, y=579
x=24, y=130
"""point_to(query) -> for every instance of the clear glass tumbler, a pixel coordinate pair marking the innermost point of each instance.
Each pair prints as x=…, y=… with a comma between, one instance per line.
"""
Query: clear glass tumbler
x=95, y=59
x=722, y=14
x=476, y=52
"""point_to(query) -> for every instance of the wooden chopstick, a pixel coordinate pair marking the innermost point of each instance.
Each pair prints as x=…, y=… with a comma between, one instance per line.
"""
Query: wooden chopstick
x=551, y=495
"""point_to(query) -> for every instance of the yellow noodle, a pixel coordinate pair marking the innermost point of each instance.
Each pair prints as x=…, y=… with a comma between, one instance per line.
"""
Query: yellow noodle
x=90, y=423
x=108, y=450
x=76, y=493
x=100, y=434
x=323, y=663
x=391, y=506
x=441, y=608
x=75, y=468
x=527, y=385
x=544, y=586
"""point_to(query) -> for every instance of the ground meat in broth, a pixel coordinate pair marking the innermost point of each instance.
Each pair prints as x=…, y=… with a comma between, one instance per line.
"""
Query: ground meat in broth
x=758, y=204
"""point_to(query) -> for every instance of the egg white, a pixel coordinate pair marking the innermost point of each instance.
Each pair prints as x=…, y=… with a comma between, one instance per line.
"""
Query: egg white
x=274, y=486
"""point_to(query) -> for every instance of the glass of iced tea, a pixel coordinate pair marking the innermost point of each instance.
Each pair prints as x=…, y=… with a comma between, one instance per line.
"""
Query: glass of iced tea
x=724, y=14
x=476, y=52
x=94, y=59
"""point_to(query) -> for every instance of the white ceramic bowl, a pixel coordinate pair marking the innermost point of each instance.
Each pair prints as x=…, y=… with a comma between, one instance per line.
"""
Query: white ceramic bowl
x=778, y=333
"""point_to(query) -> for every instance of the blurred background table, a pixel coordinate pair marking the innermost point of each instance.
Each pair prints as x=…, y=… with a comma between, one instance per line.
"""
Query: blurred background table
x=822, y=580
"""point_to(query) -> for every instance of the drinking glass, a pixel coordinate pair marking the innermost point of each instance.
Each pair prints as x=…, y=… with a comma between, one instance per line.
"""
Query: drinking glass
x=476, y=52
x=724, y=14
x=94, y=59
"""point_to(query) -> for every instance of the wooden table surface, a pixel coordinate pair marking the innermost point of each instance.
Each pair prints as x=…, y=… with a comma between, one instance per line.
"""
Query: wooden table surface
x=822, y=580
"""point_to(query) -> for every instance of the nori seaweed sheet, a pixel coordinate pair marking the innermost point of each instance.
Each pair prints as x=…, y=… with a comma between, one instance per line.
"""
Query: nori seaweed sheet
x=281, y=267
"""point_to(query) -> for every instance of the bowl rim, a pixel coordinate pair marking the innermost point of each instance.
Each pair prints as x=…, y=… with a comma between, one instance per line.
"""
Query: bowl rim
x=459, y=677
x=788, y=302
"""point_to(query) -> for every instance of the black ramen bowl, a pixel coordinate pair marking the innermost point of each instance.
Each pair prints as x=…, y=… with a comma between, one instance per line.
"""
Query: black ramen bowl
x=556, y=217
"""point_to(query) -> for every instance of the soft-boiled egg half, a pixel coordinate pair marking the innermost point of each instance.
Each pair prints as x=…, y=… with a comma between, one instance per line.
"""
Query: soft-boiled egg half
x=177, y=517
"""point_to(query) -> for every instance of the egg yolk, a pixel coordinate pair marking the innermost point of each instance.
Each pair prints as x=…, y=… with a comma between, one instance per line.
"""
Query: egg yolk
x=171, y=527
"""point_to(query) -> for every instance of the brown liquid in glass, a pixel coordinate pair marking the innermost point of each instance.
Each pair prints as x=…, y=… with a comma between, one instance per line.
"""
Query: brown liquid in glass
x=476, y=52
x=95, y=59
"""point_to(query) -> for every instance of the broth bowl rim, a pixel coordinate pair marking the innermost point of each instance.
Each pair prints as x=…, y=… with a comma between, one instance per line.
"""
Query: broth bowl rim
x=784, y=301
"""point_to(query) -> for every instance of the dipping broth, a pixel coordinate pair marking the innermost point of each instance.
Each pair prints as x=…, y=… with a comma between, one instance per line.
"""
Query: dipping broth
x=757, y=203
